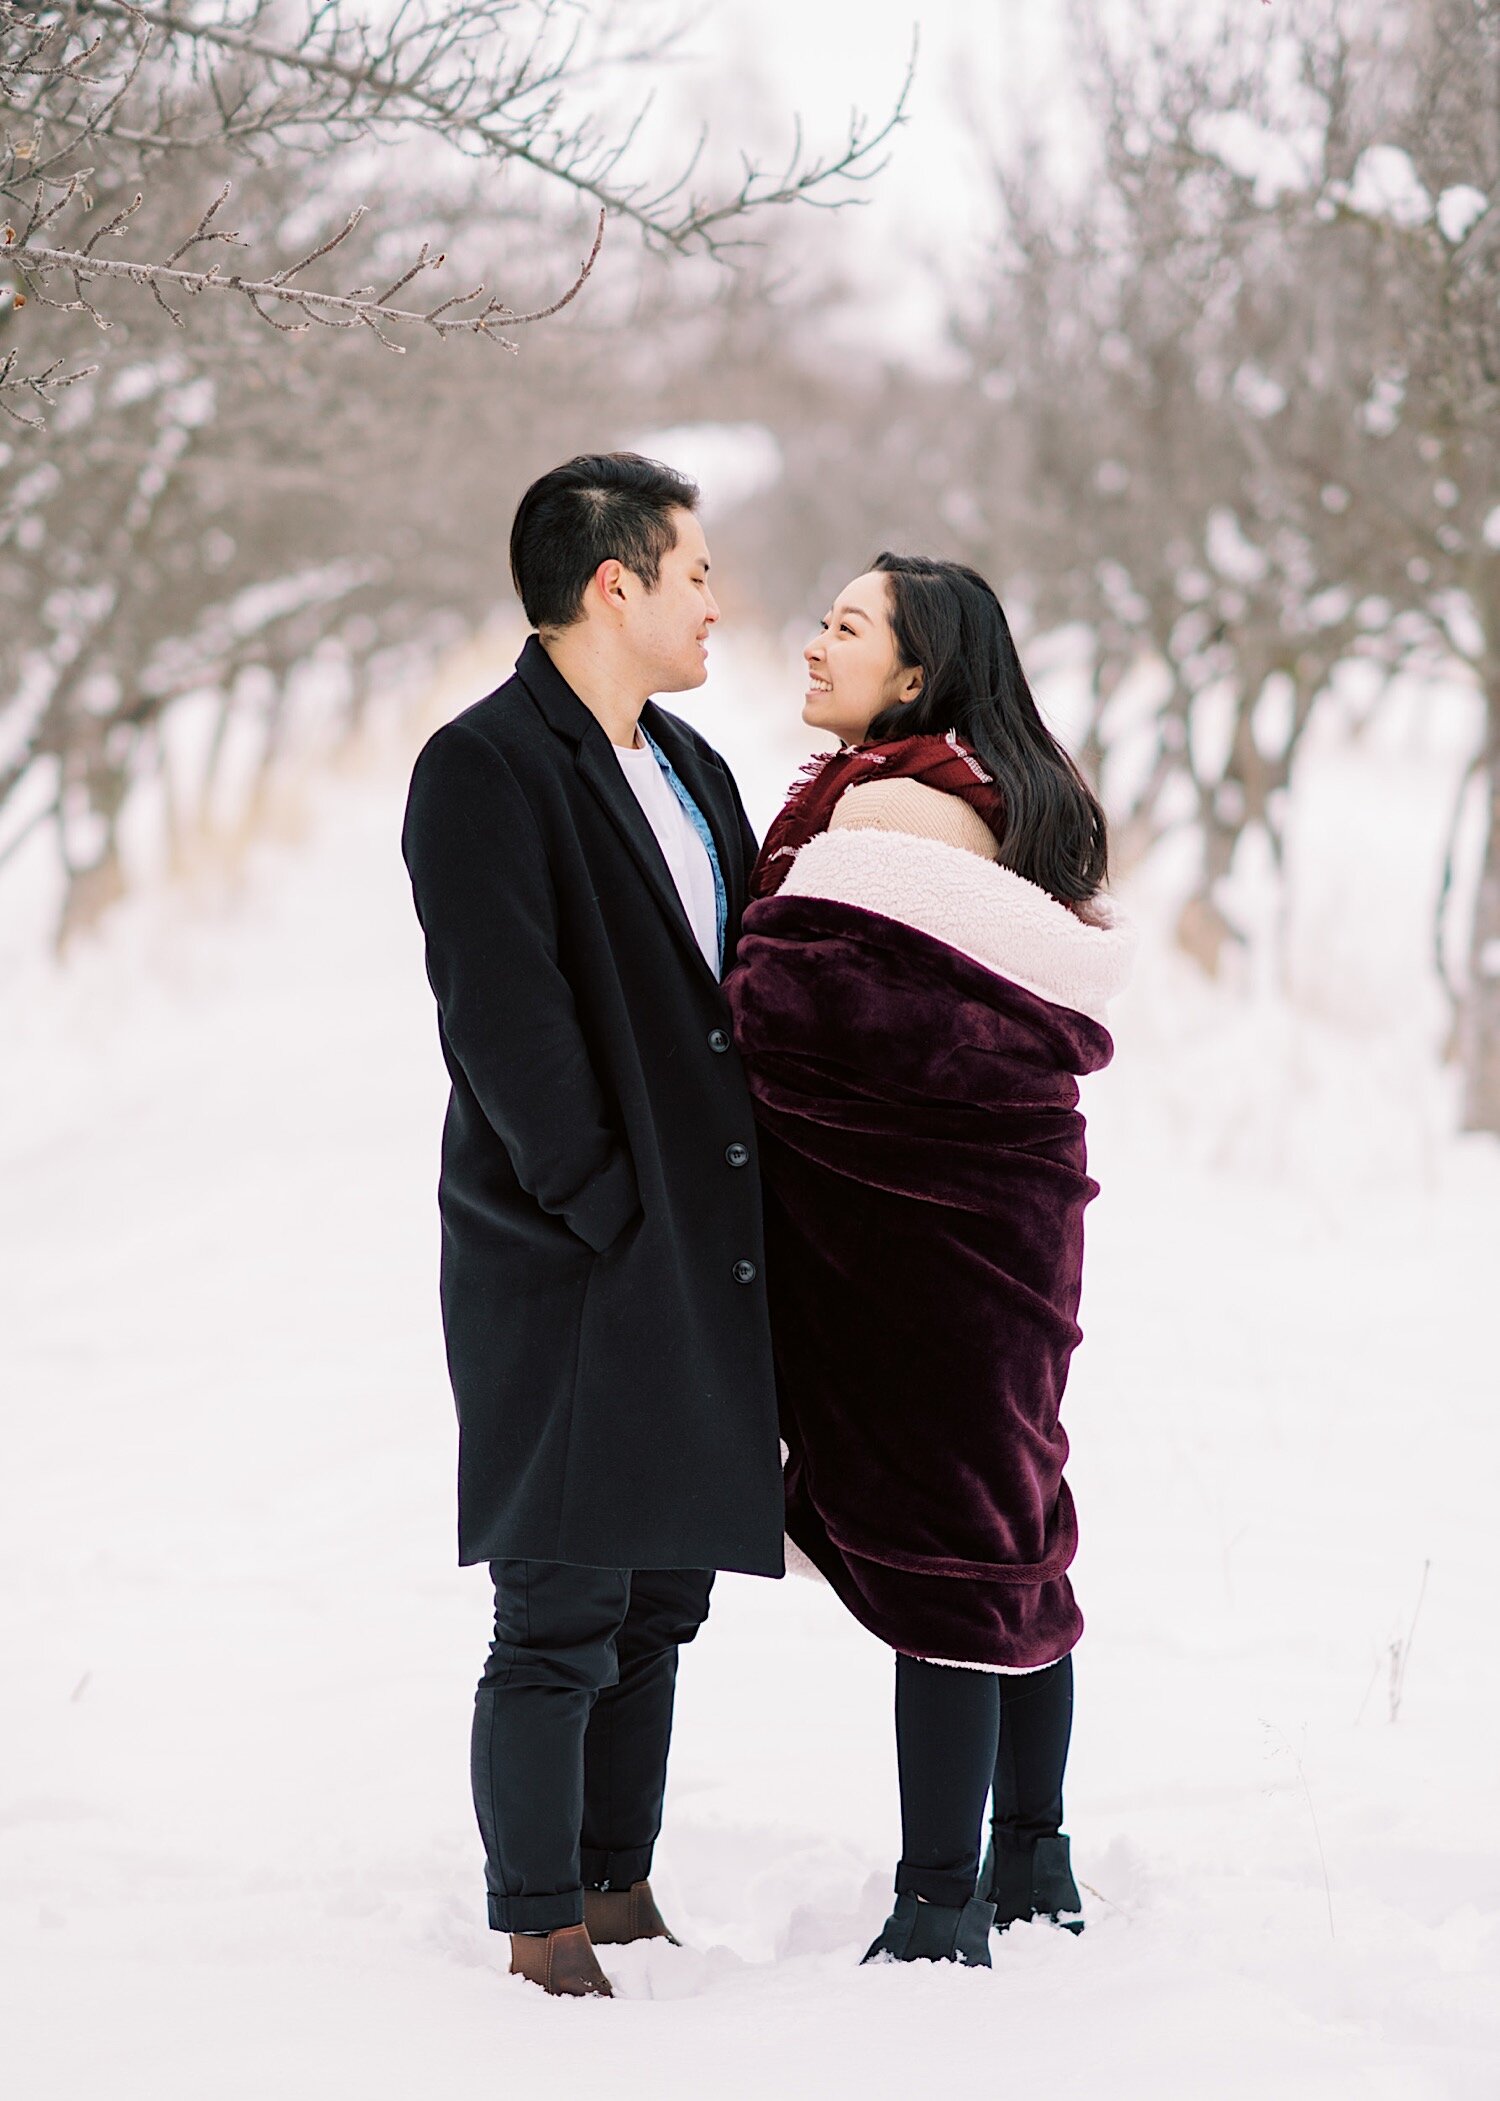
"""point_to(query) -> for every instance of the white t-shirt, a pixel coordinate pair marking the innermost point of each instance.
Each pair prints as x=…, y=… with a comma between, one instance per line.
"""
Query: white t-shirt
x=684, y=852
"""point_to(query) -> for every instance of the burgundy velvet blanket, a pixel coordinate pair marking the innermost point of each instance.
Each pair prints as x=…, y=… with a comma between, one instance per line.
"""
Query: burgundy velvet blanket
x=925, y=1174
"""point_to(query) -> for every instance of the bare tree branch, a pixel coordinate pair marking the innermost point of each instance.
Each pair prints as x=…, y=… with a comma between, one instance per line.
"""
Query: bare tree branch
x=160, y=530
x=350, y=309
x=455, y=71
x=46, y=385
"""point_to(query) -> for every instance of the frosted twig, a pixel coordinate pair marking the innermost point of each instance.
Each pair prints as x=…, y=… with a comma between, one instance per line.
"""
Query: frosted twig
x=1400, y=1651
x=1113, y=1906
x=347, y=310
x=426, y=75
x=1296, y=1759
x=202, y=232
x=45, y=385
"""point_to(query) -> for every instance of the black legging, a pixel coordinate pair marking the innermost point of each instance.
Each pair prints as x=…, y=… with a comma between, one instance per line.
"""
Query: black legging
x=960, y=1734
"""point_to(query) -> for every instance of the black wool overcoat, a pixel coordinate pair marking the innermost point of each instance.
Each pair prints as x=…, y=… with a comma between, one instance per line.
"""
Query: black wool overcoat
x=603, y=1275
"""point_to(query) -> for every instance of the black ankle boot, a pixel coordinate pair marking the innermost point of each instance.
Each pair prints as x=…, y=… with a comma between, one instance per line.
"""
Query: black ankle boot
x=1031, y=1878
x=921, y=1932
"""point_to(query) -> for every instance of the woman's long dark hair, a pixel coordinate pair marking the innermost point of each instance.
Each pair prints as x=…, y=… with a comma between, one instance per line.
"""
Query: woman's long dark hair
x=948, y=623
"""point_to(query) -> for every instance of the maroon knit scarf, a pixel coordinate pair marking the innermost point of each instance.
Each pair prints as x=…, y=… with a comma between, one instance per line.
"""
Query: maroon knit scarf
x=942, y=762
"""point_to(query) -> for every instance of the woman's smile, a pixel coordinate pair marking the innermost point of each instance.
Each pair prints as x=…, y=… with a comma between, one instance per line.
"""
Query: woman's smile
x=857, y=635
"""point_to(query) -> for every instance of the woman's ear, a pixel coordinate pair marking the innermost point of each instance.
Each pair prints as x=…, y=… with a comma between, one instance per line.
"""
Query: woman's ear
x=911, y=685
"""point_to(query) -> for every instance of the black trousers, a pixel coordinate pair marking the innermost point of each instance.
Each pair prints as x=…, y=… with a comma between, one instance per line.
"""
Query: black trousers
x=963, y=1735
x=572, y=1723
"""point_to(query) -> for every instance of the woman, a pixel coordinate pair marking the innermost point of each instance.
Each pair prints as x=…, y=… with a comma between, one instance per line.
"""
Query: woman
x=919, y=982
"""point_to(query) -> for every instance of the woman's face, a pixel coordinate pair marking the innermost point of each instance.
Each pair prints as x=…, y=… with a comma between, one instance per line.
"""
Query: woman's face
x=854, y=673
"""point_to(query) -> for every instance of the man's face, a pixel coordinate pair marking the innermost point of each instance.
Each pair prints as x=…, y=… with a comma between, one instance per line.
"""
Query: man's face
x=668, y=627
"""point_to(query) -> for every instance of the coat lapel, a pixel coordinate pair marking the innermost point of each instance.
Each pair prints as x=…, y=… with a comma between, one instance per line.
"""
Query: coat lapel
x=598, y=766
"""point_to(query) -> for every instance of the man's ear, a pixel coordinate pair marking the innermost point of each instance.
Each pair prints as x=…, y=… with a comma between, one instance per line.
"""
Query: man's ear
x=609, y=577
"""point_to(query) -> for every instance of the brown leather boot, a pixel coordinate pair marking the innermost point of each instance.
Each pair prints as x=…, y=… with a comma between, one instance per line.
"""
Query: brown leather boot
x=615, y=1917
x=562, y=1963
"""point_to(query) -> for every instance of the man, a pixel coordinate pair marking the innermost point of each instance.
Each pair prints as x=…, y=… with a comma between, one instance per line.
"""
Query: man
x=579, y=860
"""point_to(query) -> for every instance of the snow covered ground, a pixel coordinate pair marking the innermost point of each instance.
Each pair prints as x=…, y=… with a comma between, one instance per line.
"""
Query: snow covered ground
x=236, y=1854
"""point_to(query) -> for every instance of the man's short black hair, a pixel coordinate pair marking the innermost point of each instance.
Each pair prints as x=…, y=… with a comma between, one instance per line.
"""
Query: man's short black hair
x=600, y=507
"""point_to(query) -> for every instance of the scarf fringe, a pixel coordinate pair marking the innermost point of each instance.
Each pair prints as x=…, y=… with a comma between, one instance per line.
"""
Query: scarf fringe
x=940, y=761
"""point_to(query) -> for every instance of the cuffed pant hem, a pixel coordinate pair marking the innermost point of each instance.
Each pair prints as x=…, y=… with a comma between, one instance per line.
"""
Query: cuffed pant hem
x=536, y=1914
x=1021, y=1837
x=936, y=1885
x=615, y=1870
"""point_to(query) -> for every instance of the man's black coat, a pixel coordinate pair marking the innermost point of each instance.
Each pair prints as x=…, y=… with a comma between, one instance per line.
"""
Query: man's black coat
x=603, y=1277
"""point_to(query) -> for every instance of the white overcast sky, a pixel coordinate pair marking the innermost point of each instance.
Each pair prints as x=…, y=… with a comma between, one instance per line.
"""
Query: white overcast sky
x=755, y=64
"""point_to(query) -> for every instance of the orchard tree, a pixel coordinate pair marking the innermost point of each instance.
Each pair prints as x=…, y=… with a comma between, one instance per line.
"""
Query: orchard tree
x=106, y=97
x=1236, y=411
x=227, y=227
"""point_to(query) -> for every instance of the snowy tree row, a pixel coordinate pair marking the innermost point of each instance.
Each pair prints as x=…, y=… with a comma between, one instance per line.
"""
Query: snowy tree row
x=224, y=501
x=1231, y=410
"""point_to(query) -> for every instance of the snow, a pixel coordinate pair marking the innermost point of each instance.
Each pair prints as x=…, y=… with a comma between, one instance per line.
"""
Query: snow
x=1256, y=391
x=1458, y=209
x=1272, y=161
x=1231, y=552
x=236, y=1839
x=1386, y=186
x=731, y=462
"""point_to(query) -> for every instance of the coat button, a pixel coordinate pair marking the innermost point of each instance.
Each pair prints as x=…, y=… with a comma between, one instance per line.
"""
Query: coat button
x=718, y=1039
x=737, y=1155
x=744, y=1272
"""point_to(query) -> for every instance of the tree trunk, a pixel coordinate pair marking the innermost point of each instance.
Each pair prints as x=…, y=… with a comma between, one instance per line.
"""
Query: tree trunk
x=1479, y=1014
x=1203, y=930
x=89, y=894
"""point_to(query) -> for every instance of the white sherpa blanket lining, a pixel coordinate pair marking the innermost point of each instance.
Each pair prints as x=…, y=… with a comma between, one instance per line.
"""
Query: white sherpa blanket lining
x=989, y=913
